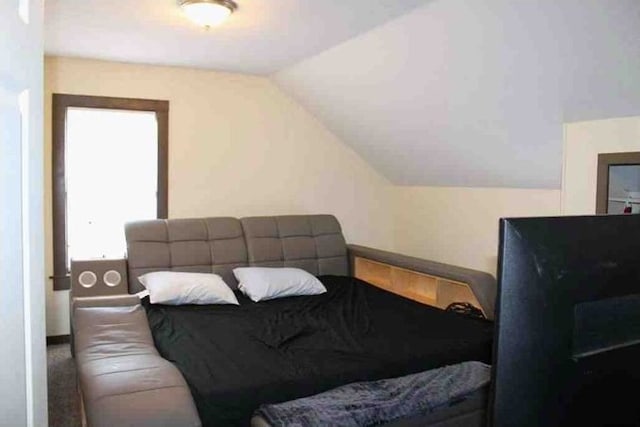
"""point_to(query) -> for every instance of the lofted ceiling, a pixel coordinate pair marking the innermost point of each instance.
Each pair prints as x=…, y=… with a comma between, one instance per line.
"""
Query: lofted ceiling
x=475, y=93
x=429, y=92
x=261, y=37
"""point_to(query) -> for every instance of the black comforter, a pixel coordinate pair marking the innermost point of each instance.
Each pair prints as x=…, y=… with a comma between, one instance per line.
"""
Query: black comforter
x=235, y=358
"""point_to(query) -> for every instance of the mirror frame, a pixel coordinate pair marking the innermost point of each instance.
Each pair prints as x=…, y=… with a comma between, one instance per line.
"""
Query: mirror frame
x=606, y=160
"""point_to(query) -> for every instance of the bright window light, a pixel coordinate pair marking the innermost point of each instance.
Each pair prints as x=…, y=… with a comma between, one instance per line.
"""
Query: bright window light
x=111, y=165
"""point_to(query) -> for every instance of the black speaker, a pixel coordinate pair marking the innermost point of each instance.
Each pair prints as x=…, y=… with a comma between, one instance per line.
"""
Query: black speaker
x=100, y=277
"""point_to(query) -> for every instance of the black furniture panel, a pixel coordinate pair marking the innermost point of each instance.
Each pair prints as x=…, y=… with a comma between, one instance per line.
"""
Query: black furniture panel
x=567, y=322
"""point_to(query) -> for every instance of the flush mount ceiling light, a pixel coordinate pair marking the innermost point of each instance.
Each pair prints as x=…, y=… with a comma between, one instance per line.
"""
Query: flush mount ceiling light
x=208, y=13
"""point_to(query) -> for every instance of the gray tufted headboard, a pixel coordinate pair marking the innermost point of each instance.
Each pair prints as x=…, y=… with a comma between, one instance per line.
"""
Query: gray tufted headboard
x=207, y=245
x=311, y=242
x=218, y=245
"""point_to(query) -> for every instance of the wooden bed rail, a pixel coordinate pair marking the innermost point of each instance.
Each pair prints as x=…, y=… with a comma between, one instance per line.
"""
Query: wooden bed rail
x=424, y=288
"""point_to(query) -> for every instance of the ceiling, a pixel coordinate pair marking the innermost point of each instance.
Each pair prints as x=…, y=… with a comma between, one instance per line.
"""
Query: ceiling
x=261, y=37
x=429, y=92
x=475, y=93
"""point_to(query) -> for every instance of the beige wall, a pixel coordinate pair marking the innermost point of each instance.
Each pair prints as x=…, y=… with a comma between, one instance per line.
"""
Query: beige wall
x=460, y=225
x=583, y=142
x=238, y=146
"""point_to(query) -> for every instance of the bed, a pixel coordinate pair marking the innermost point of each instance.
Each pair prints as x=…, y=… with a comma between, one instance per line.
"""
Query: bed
x=230, y=359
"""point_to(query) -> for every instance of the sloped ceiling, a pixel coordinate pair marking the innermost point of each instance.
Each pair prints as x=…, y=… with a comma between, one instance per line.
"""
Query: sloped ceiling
x=260, y=37
x=474, y=93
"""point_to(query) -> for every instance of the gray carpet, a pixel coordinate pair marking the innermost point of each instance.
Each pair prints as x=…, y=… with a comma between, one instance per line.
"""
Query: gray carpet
x=64, y=402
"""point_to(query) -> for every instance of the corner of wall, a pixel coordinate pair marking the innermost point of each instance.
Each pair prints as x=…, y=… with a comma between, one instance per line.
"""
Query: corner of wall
x=383, y=187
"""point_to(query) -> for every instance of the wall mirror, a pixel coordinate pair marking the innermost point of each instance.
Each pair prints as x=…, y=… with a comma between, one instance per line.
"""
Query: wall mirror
x=618, y=190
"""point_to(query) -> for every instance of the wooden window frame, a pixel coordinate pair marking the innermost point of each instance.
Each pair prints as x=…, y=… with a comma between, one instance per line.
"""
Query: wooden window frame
x=606, y=160
x=61, y=103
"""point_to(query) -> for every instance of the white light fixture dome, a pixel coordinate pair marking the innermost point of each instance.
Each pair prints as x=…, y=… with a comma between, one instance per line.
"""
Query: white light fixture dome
x=208, y=13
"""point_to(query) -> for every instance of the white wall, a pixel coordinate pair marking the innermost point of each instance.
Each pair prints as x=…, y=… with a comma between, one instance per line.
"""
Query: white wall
x=23, y=358
x=457, y=95
x=474, y=93
x=583, y=142
x=460, y=225
x=237, y=147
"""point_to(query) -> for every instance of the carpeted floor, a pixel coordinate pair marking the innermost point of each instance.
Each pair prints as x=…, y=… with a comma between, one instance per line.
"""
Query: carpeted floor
x=64, y=402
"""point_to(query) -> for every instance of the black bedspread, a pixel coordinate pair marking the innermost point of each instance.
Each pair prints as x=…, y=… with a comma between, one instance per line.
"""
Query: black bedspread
x=235, y=358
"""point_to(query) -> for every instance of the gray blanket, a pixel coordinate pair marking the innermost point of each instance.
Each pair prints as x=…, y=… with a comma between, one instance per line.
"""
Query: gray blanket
x=376, y=402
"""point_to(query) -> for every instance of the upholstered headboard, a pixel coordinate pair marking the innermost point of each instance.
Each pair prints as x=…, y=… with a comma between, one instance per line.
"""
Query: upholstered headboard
x=311, y=242
x=218, y=245
x=207, y=245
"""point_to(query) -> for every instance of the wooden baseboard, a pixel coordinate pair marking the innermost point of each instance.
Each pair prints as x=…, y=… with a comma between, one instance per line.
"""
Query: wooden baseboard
x=58, y=339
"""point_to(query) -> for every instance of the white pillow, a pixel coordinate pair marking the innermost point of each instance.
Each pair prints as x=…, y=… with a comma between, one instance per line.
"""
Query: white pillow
x=174, y=288
x=261, y=283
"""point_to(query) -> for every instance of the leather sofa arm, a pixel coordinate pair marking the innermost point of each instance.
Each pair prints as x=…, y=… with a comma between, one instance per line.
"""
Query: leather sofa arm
x=97, y=301
x=106, y=301
x=482, y=284
x=123, y=380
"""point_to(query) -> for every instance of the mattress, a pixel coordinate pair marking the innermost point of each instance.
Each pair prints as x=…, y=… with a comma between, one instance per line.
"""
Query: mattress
x=235, y=358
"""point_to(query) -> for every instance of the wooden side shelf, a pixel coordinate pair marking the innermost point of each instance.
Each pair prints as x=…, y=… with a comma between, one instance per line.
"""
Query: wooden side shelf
x=427, y=289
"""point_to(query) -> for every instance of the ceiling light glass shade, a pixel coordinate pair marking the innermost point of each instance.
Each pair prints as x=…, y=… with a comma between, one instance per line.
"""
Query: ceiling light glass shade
x=208, y=13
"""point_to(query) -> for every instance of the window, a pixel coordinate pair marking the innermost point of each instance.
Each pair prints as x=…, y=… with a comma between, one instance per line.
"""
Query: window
x=109, y=168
